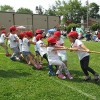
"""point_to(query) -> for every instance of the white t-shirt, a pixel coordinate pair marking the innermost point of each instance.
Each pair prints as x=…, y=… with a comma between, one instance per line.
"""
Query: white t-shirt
x=20, y=45
x=2, y=38
x=42, y=50
x=59, y=43
x=52, y=55
x=12, y=39
x=34, y=40
x=77, y=44
x=25, y=45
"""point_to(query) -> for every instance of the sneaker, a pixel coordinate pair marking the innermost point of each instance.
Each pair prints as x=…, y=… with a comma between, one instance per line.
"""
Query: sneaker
x=38, y=66
x=61, y=76
x=96, y=77
x=8, y=55
x=51, y=73
x=13, y=58
x=87, y=78
x=69, y=76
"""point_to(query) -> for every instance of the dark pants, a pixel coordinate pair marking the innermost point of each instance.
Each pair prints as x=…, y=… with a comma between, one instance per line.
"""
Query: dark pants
x=45, y=57
x=85, y=66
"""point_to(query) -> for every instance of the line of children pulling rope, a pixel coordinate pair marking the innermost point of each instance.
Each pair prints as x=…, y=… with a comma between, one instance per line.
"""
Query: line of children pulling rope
x=54, y=52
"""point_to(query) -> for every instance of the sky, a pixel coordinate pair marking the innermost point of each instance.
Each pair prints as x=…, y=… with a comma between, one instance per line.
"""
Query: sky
x=31, y=4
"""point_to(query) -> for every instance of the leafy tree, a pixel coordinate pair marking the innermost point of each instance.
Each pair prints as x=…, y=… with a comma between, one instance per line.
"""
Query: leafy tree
x=94, y=27
x=39, y=9
x=94, y=9
x=5, y=8
x=24, y=10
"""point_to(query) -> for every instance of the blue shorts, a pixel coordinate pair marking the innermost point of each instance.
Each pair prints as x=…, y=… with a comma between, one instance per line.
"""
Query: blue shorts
x=26, y=53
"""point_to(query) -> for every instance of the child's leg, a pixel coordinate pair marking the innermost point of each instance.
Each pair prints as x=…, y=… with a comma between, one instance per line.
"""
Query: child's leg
x=87, y=68
x=15, y=53
x=84, y=65
x=33, y=61
x=45, y=57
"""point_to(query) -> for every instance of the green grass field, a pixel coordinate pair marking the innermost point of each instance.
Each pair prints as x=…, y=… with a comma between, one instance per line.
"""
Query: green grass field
x=18, y=81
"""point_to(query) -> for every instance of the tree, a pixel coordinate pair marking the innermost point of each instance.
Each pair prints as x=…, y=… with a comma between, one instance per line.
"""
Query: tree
x=6, y=8
x=39, y=9
x=51, y=11
x=94, y=9
x=24, y=10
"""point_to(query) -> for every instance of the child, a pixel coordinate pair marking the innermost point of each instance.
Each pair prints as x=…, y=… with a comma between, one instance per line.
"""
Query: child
x=38, y=31
x=53, y=59
x=25, y=49
x=2, y=42
x=60, y=42
x=13, y=43
x=41, y=47
x=83, y=56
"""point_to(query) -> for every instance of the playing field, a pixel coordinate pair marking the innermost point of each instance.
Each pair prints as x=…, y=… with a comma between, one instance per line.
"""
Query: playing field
x=19, y=81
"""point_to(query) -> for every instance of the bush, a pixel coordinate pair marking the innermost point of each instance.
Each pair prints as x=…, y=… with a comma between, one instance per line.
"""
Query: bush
x=70, y=26
x=94, y=27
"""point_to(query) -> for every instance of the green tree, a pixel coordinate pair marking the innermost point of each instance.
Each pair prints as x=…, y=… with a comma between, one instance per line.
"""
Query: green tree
x=94, y=9
x=5, y=8
x=39, y=10
x=51, y=11
x=24, y=10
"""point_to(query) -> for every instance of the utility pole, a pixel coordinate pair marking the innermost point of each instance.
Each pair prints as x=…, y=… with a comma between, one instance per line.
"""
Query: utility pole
x=87, y=3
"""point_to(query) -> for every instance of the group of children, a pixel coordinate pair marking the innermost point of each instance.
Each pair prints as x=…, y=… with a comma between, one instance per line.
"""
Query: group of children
x=54, y=51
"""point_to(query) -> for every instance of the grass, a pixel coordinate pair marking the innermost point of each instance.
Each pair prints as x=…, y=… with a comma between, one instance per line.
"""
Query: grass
x=18, y=81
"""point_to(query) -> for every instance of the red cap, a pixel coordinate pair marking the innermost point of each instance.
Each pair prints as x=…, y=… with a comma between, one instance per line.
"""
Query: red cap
x=38, y=31
x=39, y=36
x=22, y=34
x=73, y=34
x=3, y=31
x=57, y=33
x=12, y=28
x=51, y=40
x=29, y=34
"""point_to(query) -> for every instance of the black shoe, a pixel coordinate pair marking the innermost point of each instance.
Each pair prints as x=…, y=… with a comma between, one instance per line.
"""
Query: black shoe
x=96, y=77
x=87, y=78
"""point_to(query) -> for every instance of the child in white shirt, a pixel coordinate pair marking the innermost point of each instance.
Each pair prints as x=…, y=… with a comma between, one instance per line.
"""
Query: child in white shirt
x=83, y=56
x=26, y=50
x=2, y=42
x=60, y=42
x=42, y=48
x=13, y=43
x=38, y=57
x=53, y=59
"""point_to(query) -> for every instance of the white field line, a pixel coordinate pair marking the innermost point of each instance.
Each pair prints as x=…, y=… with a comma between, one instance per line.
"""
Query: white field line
x=75, y=89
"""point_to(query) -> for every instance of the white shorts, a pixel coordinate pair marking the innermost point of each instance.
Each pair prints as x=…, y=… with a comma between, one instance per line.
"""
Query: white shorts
x=63, y=57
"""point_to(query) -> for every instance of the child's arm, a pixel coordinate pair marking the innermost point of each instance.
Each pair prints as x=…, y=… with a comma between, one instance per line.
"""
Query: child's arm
x=31, y=42
x=85, y=48
x=43, y=45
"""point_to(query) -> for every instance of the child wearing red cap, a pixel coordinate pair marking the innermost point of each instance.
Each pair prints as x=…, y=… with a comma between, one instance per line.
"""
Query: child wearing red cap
x=2, y=42
x=83, y=56
x=42, y=48
x=26, y=50
x=60, y=42
x=53, y=59
x=13, y=44
x=38, y=57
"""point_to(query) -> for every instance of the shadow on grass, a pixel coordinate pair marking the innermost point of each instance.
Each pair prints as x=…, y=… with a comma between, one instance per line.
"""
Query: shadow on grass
x=13, y=74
